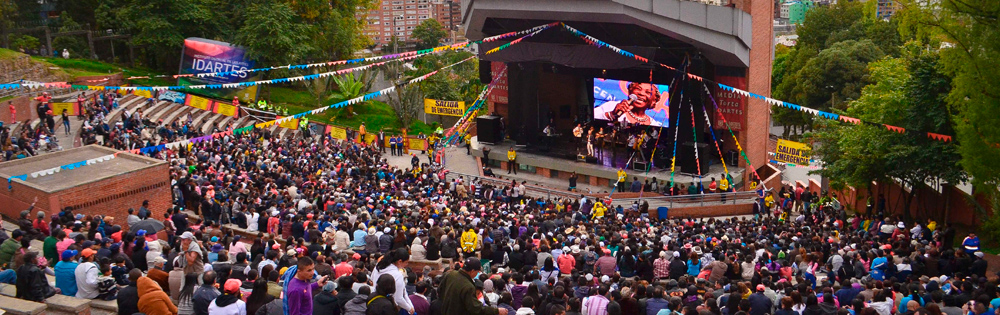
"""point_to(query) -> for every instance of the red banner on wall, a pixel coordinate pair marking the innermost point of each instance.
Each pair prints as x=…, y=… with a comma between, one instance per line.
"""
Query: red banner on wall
x=499, y=92
x=731, y=104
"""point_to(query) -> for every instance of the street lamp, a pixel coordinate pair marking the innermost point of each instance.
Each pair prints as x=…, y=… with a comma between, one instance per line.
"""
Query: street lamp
x=112, y=41
x=395, y=38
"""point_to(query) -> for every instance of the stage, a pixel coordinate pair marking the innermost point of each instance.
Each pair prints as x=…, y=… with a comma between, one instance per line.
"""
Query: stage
x=557, y=158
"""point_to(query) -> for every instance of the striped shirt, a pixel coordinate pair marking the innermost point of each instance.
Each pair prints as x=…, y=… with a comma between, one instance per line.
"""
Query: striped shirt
x=596, y=305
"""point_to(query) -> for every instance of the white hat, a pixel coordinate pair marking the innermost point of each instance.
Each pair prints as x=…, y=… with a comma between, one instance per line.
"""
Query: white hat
x=901, y=225
x=605, y=278
x=387, y=230
x=590, y=277
x=187, y=235
x=979, y=254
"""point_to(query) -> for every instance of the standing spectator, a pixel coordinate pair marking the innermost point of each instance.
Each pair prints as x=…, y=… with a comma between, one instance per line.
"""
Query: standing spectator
x=205, y=294
x=421, y=305
x=152, y=299
x=760, y=304
x=229, y=303
x=380, y=304
x=393, y=265
x=326, y=302
x=298, y=288
x=185, y=294
x=458, y=288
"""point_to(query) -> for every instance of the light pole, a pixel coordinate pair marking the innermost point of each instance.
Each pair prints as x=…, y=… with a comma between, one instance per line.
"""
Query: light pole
x=395, y=38
x=112, y=41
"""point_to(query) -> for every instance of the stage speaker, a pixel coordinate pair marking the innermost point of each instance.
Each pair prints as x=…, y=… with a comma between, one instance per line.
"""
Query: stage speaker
x=592, y=160
x=688, y=163
x=733, y=158
x=485, y=72
x=488, y=129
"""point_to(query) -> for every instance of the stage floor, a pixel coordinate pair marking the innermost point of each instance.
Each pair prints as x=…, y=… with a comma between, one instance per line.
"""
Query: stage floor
x=562, y=157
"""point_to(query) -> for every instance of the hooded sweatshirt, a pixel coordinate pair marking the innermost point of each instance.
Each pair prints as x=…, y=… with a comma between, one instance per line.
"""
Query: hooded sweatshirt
x=356, y=306
x=227, y=304
x=152, y=300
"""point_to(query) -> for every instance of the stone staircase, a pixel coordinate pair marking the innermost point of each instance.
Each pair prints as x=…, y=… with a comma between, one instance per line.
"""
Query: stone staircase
x=165, y=111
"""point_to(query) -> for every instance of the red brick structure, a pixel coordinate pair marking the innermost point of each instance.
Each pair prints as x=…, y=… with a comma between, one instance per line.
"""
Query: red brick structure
x=107, y=188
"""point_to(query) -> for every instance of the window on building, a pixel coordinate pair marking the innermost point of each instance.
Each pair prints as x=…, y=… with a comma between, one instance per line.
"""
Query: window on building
x=410, y=7
x=409, y=27
x=411, y=17
x=422, y=6
x=423, y=17
x=397, y=2
x=400, y=34
x=398, y=7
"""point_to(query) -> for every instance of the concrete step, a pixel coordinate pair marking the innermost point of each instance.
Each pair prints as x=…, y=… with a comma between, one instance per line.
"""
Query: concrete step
x=212, y=119
x=200, y=118
x=177, y=114
x=170, y=107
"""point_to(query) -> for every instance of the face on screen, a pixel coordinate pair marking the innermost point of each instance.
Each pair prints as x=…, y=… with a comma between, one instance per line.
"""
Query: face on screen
x=645, y=95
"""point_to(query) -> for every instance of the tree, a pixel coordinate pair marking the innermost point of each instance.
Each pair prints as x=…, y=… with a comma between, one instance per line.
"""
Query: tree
x=905, y=92
x=159, y=27
x=76, y=44
x=25, y=42
x=828, y=65
x=407, y=102
x=272, y=36
x=968, y=33
x=429, y=34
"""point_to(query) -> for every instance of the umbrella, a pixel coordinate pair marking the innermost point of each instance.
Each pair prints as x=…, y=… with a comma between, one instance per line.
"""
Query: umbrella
x=150, y=225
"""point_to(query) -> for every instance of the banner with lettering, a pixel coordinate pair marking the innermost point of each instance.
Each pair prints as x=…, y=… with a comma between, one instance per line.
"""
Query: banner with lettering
x=226, y=109
x=338, y=133
x=58, y=108
x=793, y=152
x=445, y=108
x=198, y=102
x=499, y=92
x=290, y=123
x=416, y=144
x=143, y=93
x=731, y=104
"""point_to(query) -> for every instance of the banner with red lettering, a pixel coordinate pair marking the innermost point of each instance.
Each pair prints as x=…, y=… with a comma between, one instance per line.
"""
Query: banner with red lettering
x=731, y=104
x=499, y=92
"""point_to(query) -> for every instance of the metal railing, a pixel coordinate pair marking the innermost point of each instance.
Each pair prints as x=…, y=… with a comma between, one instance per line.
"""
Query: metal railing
x=531, y=190
x=697, y=200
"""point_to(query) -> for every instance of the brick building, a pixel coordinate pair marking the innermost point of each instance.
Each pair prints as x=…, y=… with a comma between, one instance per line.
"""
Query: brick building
x=400, y=17
x=107, y=188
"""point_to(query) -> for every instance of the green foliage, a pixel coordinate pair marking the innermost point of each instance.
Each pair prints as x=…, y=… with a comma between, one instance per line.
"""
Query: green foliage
x=348, y=86
x=906, y=92
x=406, y=102
x=272, y=36
x=968, y=33
x=25, y=42
x=458, y=83
x=159, y=27
x=828, y=66
x=429, y=34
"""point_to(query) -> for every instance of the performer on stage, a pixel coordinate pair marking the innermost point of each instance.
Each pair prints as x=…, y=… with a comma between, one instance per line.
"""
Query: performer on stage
x=590, y=141
x=642, y=97
x=600, y=142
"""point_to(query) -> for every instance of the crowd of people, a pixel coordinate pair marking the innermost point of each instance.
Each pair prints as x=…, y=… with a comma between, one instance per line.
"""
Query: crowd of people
x=320, y=226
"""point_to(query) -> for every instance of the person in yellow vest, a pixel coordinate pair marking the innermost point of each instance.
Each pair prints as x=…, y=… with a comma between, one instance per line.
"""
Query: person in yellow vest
x=469, y=241
x=622, y=176
x=511, y=157
x=362, y=132
x=598, y=211
x=723, y=187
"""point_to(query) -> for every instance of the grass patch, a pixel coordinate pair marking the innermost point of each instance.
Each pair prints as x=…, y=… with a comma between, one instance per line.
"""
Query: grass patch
x=375, y=114
x=89, y=67
x=8, y=54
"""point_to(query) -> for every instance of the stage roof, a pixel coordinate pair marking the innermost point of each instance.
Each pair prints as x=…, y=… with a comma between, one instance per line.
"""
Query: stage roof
x=662, y=30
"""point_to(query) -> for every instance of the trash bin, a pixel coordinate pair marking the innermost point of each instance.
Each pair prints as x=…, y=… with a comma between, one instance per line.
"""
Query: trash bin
x=661, y=213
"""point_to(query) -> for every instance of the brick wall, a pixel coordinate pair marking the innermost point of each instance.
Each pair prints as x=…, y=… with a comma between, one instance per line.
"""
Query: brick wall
x=24, y=106
x=755, y=135
x=113, y=196
x=952, y=205
x=707, y=211
x=108, y=197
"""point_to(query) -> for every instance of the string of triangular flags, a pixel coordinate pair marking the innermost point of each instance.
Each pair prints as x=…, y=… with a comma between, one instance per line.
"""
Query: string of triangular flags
x=185, y=143
x=214, y=86
x=815, y=112
x=348, y=61
x=455, y=132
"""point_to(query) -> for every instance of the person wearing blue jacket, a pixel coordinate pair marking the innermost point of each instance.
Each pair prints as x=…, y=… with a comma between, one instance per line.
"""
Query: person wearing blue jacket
x=65, y=272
